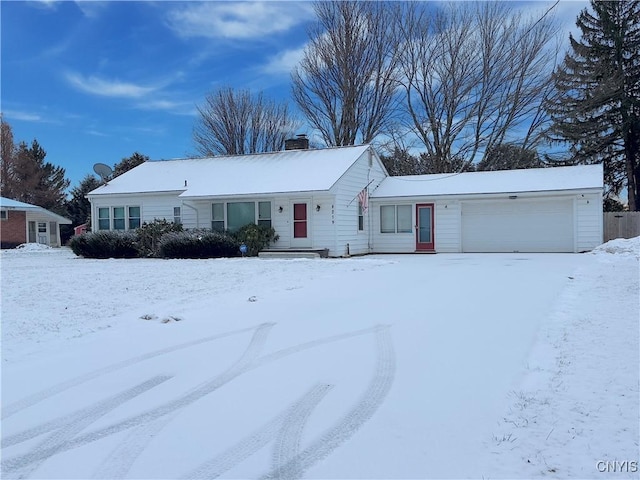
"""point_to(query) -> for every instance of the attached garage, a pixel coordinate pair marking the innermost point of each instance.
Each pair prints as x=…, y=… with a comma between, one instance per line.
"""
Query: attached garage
x=534, y=210
x=518, y=225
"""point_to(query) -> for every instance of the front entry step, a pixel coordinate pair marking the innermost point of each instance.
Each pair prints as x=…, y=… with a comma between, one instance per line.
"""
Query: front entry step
x=295, y=253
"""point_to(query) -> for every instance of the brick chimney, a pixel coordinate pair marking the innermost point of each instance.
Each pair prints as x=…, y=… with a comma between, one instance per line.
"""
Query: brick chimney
x=301, y=142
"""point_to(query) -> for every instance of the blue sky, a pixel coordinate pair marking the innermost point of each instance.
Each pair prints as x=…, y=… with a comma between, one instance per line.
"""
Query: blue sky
x=96, y=81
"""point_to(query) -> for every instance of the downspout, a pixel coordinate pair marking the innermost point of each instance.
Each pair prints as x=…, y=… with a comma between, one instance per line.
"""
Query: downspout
x=369, y=233
x=196, y=210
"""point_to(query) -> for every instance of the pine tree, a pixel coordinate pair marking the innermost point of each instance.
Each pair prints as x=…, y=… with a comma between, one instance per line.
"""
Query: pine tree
x=32, y=180
x=597, y=106
x=128, y=163
x=78, y=207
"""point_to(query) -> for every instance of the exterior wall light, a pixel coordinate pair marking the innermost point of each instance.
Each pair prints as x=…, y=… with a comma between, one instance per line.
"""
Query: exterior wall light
x=280, y=209
x=317, y=208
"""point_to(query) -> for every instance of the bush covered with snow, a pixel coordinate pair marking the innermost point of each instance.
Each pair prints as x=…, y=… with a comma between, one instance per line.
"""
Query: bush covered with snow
x=150, y=234
x=105, y=244
x=256, y=237
x=198, y=244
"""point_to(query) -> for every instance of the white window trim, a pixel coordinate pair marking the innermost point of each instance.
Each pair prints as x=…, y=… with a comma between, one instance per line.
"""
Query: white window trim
x=256, y=211
x=395, y=219
x=111, y=218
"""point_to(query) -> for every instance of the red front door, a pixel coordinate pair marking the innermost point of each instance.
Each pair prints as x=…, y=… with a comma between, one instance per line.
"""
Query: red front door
x=425, y=236
x=299, y=220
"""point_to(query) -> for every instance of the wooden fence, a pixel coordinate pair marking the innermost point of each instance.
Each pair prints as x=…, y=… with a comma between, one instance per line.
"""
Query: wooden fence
x=621, y=225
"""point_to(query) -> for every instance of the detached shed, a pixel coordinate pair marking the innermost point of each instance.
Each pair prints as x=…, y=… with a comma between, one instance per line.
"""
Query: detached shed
x=533, y=210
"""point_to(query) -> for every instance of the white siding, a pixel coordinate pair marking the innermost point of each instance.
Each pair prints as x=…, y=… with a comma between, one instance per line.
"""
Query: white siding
x=392, y=242
x=580, y=213
x=589, y=228
x=53, y=235
x=320, y=227
x=152, y=207
x=448, y=224
x=446, y=227
x=367, y=168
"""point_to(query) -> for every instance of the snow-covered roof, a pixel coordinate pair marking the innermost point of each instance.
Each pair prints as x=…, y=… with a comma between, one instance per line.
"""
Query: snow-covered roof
x=9, y=204
x=504, y=181
x=262, y=173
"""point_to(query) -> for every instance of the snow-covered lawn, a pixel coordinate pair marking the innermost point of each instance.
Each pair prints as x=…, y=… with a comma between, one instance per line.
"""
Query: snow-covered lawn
x=407, y=366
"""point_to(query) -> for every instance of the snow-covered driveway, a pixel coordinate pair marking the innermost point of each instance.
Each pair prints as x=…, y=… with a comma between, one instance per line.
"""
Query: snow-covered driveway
x=407, y=366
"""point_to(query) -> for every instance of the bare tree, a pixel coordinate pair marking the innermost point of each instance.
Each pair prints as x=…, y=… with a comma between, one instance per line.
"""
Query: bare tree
x=346, y=82
x=7, y=157
x=475, y=76
x=234, y=122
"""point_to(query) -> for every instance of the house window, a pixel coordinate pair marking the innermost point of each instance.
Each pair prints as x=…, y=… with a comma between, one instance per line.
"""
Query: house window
x=388, y=219
x=118, y=218
x=403, y=224
x=134, y=218
x=395, y=219
x=264, y=214
x=3, y=215
x=217, y=217
x=177, y=217
x=240, y=214
x=103, y=219
x=360, y=217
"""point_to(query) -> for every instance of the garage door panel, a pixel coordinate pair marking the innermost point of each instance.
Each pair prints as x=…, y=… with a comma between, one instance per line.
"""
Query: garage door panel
x=518, y=226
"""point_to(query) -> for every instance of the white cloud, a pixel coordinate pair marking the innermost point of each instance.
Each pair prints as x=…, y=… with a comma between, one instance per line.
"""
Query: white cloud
x=236, y=20
x=91, y=8
x=107, y=88
x=178, y=108
x=22, y=116
x=283, y=62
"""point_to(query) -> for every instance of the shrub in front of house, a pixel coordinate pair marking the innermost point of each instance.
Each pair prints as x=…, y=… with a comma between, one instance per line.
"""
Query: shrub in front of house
x=256, y=237
x=150, y=234
x=105, y=244
x=198, y=244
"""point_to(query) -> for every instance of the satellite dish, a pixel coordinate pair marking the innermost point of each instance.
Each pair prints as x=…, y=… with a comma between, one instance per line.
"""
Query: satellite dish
x=103, y=170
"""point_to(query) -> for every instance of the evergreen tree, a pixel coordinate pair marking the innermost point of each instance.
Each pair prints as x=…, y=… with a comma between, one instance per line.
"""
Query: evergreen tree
x=78, y=207
x=128, y=163
x=597, y=103
x=32, y=180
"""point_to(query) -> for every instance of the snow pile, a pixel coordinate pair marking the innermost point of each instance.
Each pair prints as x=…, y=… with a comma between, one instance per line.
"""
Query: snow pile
x=620, y=246
x=33, y=247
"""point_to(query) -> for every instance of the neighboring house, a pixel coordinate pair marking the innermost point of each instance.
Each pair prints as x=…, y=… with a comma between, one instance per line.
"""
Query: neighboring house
x=24, y=223
x=342, y=200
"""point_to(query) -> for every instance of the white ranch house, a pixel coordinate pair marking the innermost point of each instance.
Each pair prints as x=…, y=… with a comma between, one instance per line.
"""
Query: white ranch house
x=311, y=198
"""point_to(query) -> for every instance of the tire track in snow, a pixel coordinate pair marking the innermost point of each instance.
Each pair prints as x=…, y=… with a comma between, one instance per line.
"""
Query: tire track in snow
x=38, y=397
x=66, y=428
x=287, y=444
x=292, y=420
x=121, y=459
x=252, y=351
x=247, y=362
x=361, y=412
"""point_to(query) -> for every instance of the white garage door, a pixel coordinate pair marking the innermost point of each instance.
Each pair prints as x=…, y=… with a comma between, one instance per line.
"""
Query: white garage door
x=518, y=225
